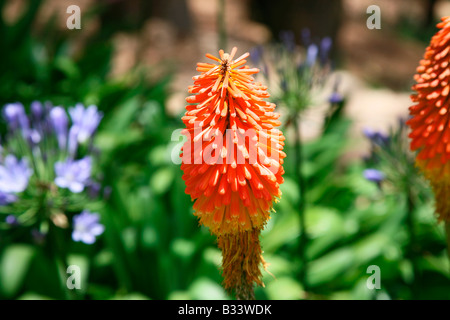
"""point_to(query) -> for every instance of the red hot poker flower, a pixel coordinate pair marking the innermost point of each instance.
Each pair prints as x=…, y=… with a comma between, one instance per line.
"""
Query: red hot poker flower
x=430, y=126
x=232, y=163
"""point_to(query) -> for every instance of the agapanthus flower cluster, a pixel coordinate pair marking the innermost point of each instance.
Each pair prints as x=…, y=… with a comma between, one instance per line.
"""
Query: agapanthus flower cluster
x=298, y=73
x=46, y=167
x=390, y=161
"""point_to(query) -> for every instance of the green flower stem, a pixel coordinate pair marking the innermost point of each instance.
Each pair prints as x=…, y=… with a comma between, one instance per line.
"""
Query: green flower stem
x=57, y=254
x=412, y=250
x=221, y=25
x=447, y=233
x=303, y=239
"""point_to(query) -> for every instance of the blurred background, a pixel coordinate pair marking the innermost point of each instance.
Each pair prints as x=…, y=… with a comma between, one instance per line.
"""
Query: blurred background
x=135, y=59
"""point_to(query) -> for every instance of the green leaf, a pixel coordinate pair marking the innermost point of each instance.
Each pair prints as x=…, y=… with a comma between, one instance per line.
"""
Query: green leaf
x=206, y=289
x=83, y=263
x=14, y=265
x=129, y=239
x=179, y=295
x=290, y=191
x=68, y=67
x=277, y=266
x=284, y=230
x=370, y=247
x=330, y=266
x=32, y=296
x=159, y=156
x=122, y=116
x=161, y=180
x=183, y=248
x=131, y=296
x=149, y=237
x=109, y=140
x=213, y=256
x=285, y=288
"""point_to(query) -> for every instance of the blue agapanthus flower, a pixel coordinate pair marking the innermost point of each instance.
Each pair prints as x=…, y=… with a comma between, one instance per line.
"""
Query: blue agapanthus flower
x=16, y=117
x=311, y=54
x=37, y=110
x=374, y=175
x=325, y=47
x=86, y=227
x=73, y=174
x=14, y=177
x=7, y=198
x=85, y=121
x=60, y=121
x=12, y=220
x=288, y=39
x=336, y=98
x=376, y=137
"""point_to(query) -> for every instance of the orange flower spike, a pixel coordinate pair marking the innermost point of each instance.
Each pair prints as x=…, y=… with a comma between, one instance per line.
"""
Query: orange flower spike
x=430, y=126
x=232, y=163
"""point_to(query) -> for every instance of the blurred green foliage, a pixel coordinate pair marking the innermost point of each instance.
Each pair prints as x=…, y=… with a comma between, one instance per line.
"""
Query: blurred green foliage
x=153, y=248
